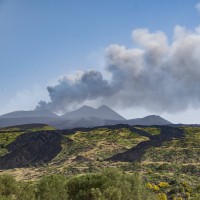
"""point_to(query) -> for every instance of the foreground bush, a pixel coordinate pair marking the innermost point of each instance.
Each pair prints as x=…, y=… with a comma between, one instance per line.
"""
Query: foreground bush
x=8, y=187
x=109, y=185
x=52, y=187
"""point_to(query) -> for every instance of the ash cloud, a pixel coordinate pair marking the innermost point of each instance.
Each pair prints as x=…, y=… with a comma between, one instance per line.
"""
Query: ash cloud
x=153, y=74
x=72, y=91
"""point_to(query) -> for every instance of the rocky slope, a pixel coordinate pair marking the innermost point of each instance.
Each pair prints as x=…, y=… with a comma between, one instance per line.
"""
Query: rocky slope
x=32, y=149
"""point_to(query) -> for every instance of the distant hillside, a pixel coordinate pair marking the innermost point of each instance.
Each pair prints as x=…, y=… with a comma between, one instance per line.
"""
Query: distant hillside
x=27, y=127
x=93, y=121
x=25, y=114
x=77, y=123
x=4, y=122
x=103, y=112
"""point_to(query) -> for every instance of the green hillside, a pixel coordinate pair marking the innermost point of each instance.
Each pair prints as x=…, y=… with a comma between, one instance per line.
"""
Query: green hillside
x=98, y=144
x=185, y=150
x=170, y=169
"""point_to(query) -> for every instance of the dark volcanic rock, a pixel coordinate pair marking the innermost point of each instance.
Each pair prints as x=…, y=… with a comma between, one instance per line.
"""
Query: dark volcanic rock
x=32, y=149
x=136, y=153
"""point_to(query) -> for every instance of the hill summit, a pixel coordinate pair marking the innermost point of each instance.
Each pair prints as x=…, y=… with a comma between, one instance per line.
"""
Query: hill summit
x=149, y=120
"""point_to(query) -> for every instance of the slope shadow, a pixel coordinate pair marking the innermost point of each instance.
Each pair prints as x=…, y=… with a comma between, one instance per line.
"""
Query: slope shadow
x=33, y=148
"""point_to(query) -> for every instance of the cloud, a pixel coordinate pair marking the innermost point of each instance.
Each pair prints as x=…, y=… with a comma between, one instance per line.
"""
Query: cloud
x=197, y=6
x=154, y=74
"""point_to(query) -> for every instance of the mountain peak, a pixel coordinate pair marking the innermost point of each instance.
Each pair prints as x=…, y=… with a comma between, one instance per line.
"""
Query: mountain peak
x=108, y=113
x=85, y=107
x=104, y=107
x=103, y=112
x=153, y=116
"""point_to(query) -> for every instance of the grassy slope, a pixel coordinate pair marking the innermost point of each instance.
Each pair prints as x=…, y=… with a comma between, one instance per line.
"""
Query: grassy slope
x=185, y=150
x=100, y=143
x=176, y=163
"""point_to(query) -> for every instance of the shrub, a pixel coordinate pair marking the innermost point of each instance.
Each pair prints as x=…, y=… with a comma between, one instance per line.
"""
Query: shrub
x=187, y=194
x=8, y=186
x=174, y=190
x=109, y=185
x=52, y=187
x=162, y=196
x=163, y=185
x=149, y=186
x=156, y=188
x=27, y=191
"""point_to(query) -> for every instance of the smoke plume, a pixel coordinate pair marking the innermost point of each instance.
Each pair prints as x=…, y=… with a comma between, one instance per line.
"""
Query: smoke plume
x=153, y=74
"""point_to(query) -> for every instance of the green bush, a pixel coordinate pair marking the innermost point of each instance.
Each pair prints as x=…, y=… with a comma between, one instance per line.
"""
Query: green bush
x=109, y=185
x=52, y=188
x=8, y=187
x=27, y=191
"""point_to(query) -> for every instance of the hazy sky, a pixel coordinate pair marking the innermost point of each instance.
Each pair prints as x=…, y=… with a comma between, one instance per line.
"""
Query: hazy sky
x=43, y=41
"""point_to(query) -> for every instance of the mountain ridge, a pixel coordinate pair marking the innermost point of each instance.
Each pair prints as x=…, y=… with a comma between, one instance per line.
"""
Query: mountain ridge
x=84, y=116
x=30, y=113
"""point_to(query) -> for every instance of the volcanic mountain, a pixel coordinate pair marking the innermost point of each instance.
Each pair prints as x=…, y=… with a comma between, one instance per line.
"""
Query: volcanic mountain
x=103, y=112
x=85, y=116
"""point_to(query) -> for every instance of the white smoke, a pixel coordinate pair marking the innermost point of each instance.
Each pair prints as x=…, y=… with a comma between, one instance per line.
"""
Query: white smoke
x=154, y=74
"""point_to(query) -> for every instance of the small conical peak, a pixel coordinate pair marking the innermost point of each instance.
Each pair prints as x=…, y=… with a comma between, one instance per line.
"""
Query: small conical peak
x=85, y=107
x=153, y=116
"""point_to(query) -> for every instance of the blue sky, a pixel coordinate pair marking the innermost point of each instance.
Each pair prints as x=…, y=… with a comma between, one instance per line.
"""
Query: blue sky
x=41, y=41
